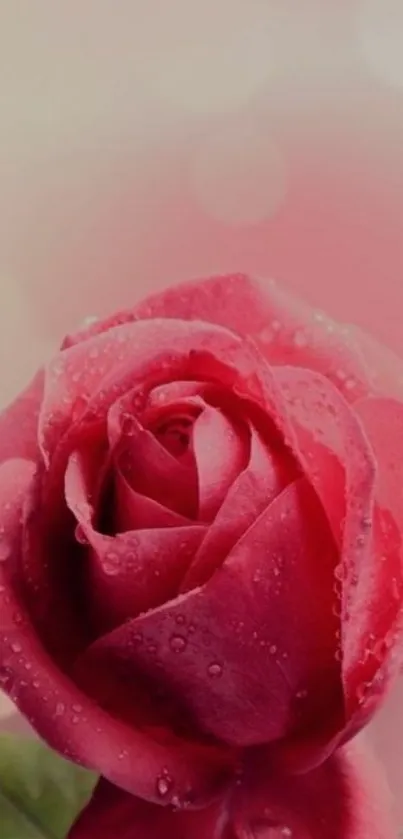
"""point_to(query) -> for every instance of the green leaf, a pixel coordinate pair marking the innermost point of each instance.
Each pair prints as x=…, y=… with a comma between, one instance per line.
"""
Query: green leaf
x=40, y=792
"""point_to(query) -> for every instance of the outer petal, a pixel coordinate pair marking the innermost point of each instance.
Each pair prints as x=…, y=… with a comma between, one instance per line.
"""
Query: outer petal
x=63, y=715
x=374, y=644
x=345, y=798
x=287, y=330
x=19, y=423
x=251, y=655
x=78, y=728
x=112, y=812
x=83, y=382
x=266, y=475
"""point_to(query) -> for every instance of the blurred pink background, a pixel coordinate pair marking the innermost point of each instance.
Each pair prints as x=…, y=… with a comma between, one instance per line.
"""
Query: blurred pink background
x=149, y=141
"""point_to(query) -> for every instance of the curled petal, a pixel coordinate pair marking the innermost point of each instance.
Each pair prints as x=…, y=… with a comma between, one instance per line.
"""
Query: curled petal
x=287, y=330
x=19, y=423
x=374, y=641
x=137, y=570
x=93, y=374
x=152, y=471
x=113, y=812
x=251, y=654
x=132, y=510
x=345, y=798
x=77, y=727
x=221, y=451
x=265, y=476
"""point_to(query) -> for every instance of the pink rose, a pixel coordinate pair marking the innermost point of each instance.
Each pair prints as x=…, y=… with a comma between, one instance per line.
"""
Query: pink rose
x=201, y=566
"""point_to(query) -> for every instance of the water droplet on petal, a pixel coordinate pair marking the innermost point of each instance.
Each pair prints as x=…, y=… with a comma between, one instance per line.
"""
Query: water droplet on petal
x=127, y=424
x=16, y=647
x=137, y=638
x=81, y=535
x=60, y=709
x=178, y=643
x=164, y=785
x=215, y=670
x=111, y=564
x=273, y=649
x=180, y=619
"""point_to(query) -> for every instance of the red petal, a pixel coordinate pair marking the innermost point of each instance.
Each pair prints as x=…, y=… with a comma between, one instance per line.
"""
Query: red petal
x=374, y=640
x=252, y=672
x=265, y=476
x=15, y=483
x=137, y=571
x=152, y=471
x=105, y=367
x=80, y=729
x=19, y=423
x=287, y=330
x=221, y=451
x=345, y=798
x=112, y=812
x=133, y=510
x=332, y=448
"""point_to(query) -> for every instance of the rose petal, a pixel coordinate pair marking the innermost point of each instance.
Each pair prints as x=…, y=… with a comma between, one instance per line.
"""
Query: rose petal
x=78, y=728
x=221, y=451
x=133, y=510
x=374, y=642
x=113, y=812
x=287, y=330
x=252, y=675
x=345, y=798
x=102, y=369
x=137, y=571
x=15, y=482
x=134, y=571
x=332, y=444
x=152, y=471
x=19, y=423
x=265, y=476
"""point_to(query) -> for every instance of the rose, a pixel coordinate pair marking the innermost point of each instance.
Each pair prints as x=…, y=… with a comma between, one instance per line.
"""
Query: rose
x=201, y=575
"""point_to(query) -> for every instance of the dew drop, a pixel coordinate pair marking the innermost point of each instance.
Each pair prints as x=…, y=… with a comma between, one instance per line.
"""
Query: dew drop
x=301, y=694
x=127, y=424
x=339, y=572
x=272, y=649
x=81, y=535
x=111, y=563
x=178, y=643
x=215, y=670
x=60, y=709
x=164, y=785
x=16, y=647
x=137, y=638
x=77, y=708
x=180, y=620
